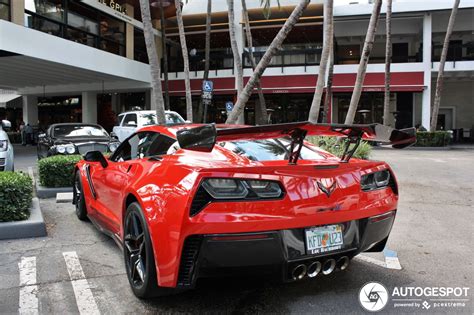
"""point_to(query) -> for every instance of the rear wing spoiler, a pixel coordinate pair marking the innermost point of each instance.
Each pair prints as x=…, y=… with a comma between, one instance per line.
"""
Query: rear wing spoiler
x=204, y=138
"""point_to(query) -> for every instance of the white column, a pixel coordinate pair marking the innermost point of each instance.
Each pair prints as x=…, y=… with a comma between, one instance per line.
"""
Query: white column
x=426, y=98
x=30, y=110
x=89, y=107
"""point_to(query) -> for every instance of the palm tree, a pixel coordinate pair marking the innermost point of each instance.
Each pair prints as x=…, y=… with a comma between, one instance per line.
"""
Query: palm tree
x=184, y=49
x=364, y=60
x=442, y=61
x=235, y=51
x=328, y=97
x=156, y=91
x=165, y=55
x=265, y=61
x=261, y=116
x=207, y=58
x=328, y=34
x=388, y=60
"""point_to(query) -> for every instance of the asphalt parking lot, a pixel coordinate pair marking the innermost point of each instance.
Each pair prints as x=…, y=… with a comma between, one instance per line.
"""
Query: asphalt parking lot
x=432, y=239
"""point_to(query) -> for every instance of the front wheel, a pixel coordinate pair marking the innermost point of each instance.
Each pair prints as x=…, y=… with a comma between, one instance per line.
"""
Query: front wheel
x=138, y=255
x=78, y=195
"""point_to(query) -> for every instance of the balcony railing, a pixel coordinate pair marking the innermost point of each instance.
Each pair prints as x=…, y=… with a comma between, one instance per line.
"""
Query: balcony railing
x=219, y=60
x=60, y=29
x=287, y=57
x=456, y=52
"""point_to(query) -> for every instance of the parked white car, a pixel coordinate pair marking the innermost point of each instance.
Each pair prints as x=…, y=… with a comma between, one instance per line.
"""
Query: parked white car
x=6, y=148
x=129, y=122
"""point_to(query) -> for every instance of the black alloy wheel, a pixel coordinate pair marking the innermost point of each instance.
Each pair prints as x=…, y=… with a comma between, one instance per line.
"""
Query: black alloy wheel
x=78, y=196
x=138, y=255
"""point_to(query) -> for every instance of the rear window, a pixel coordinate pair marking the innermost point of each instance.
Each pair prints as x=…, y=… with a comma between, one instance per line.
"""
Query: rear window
x=70, y=131
x=268, y=150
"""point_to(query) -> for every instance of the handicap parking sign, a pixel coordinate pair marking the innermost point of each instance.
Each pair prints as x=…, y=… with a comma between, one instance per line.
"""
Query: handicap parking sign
x=207, y=86
x=229, y=106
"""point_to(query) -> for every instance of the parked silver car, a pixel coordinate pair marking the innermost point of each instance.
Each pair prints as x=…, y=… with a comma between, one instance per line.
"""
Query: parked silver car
x=129, y=122
x=6, y=148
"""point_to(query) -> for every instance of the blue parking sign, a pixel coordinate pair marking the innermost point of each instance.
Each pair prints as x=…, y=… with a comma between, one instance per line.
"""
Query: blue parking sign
x=207, y=86
x=229, y=106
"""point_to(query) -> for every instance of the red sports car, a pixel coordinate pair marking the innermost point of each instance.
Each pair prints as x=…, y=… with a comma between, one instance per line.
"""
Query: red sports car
x=193, y=201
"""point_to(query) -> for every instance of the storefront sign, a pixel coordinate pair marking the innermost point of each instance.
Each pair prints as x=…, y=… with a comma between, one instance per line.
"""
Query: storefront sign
x=114, y=5
x=116, y=10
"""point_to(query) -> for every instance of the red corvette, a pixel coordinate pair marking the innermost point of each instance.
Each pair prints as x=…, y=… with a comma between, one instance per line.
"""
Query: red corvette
x=193, y=201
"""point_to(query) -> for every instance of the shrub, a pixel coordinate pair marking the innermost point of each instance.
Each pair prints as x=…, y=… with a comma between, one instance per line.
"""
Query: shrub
x=57, y=170
x=16, y=192
x=432, y=139
x=330, y=144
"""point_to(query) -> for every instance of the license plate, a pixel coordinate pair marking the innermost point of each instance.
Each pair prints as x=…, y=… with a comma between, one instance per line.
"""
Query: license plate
x=324, y=239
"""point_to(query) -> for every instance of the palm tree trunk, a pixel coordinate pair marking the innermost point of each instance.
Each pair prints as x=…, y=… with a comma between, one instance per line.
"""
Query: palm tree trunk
x=165, y=56
x=235, y=49
x=207, y=58
x=364, y=60
x=235, y=53
x=442, y=61
x=156, y=91
x=328, y=97
x=261, y=116
x=265, y=61
x=184, y=49
x=388, y=61
x=328, y=34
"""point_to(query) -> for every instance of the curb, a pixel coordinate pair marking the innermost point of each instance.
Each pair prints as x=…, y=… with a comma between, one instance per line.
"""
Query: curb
x=34, y=226
x=46, y=192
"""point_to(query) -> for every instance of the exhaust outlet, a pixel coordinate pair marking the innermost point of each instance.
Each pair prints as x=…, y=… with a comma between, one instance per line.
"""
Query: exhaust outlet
x=329, y=266
x=314, y=268
x=299, y=272
x=343, y=263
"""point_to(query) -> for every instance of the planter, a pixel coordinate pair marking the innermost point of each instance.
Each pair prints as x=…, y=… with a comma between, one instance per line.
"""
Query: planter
x=34, y=226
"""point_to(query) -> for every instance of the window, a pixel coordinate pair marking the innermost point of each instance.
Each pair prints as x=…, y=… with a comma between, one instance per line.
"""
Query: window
x=70, y=131
x=119, y=120
x=267, y=150
x=130, y=120
x=5, y=10
x=142, y=145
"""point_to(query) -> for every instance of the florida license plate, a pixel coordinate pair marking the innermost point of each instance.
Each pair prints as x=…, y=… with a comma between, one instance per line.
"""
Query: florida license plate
x=324, y=239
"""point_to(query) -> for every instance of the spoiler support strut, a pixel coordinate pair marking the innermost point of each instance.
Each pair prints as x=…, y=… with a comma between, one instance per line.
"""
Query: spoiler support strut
x=297, y=137
x=348, y=153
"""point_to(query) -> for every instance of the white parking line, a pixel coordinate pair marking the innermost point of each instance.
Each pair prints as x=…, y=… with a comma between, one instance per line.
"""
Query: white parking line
x=371, y=260
x=84, y=298
x=28, y=287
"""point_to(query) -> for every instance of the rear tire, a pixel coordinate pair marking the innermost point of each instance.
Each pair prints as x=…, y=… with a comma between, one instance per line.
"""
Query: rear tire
x=139, y=256
x=79, y=200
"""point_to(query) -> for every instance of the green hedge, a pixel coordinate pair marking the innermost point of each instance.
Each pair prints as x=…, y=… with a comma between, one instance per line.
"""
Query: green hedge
x=58, y=170
x=330, y=144
x=16, y=192
x=432, y=139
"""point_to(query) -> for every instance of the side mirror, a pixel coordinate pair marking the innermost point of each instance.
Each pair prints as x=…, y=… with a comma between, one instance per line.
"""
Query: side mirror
x=198, y=139
x=6, y=124
x=96, y=156
x=132, y=123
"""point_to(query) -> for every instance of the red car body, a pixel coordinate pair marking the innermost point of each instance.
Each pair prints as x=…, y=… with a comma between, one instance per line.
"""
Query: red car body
x=238, y=233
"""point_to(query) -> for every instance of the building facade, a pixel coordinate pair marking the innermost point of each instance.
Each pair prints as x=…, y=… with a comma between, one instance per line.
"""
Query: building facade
x=85, y=60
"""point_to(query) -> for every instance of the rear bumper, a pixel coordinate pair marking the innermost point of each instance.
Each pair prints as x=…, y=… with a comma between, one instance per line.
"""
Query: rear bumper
x=273, y=252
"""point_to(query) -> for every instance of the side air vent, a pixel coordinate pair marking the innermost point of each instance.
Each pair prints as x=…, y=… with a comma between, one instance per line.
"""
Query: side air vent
x=189, y=256
x=392, y=184
x=201, y=199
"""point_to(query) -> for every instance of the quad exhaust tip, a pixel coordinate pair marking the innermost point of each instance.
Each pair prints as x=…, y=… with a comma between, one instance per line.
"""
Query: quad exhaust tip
x=343, y=263
x=299, y=272
x=314, y=269
x=329, y=266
